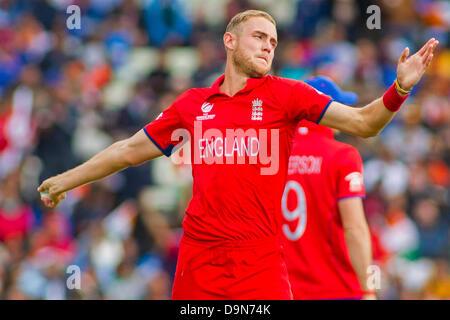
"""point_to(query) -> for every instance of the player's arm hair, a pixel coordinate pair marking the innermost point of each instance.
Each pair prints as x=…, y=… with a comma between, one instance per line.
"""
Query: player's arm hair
x=357, y=236
x=365, y=122
x=118, y=156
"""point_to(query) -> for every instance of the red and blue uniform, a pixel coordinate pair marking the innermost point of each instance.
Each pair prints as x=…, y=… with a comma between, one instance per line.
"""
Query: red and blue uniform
x=240, y=147
x=322, y=171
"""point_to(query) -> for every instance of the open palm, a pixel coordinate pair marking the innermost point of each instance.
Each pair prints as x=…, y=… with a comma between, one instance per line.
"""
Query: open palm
x=410, y=70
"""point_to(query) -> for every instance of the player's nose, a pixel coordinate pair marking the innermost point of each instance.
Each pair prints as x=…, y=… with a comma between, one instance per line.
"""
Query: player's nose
x=267, y=47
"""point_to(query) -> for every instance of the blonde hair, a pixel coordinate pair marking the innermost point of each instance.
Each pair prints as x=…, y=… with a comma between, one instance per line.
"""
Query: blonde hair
x=244, y=16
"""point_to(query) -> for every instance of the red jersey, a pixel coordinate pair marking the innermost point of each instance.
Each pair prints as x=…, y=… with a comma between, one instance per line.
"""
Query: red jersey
x=321, y=172
x=240, y=147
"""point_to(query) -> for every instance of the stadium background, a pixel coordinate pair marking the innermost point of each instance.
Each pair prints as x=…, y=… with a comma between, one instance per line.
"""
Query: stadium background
x=67, y=94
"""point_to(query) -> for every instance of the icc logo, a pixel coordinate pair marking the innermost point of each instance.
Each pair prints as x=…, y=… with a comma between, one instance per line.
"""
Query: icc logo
x=355, y=180
x=206, y=107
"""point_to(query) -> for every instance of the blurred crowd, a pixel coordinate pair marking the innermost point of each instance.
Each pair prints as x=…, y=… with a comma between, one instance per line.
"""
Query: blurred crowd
x=67, y=94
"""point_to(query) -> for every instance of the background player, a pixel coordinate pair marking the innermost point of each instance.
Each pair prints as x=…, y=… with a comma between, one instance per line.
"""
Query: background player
x=230, y=245
x=326, y=236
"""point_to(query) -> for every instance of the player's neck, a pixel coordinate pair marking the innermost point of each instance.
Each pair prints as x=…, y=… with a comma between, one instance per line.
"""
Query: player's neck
x=234, y=81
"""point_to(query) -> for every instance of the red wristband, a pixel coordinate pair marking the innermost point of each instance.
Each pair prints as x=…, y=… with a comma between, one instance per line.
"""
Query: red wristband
x=392, y=100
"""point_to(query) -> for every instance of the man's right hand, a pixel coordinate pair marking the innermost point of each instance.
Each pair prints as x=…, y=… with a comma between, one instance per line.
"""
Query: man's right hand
x=118, y=156
x=50, y=186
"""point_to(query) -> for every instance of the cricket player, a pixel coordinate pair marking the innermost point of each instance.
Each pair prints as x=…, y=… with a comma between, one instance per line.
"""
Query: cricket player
x=240, y=131
x=326, y=237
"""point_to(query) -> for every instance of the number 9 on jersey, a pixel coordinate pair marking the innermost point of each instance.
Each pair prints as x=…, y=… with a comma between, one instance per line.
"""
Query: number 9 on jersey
x=298, y=213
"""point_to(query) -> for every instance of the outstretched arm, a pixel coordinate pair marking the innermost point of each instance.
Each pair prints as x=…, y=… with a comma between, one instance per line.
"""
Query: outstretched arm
x=120, y=155
x=371, y=119
x=357, y=237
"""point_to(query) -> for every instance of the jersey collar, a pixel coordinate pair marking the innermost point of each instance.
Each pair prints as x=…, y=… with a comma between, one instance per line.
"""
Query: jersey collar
x=252, y=83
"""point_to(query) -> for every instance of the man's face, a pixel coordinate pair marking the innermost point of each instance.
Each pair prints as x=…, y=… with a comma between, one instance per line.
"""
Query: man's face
x=255, y=46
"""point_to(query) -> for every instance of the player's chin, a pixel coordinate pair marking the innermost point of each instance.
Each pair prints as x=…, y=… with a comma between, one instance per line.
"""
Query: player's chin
x=260, y=71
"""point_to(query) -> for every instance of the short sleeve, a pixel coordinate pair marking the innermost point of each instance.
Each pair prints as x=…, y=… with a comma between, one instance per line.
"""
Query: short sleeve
x=350, y=174
x=307, y=103
x=160, y=130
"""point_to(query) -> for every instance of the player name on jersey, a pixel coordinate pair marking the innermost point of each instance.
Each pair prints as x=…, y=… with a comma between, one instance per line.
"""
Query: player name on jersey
x=304, y=164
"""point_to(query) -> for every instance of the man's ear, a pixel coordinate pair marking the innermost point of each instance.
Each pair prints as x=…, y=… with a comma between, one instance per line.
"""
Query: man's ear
x=229, y=40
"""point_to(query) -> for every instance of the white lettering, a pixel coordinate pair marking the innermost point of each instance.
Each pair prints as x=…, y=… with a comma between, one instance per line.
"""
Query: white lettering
x=219, y=150
x=237, y=147
x=374, y=20
x=74, y=20
x=74, y=280
x=305, y=165
x=200, y=146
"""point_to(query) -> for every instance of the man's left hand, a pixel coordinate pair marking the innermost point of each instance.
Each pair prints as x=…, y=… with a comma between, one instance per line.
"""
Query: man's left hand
x=410, y=70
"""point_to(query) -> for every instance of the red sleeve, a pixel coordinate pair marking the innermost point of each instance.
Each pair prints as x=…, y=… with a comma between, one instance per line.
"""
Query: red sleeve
x=160, y=130
x=350, y=174
x=307, y=103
